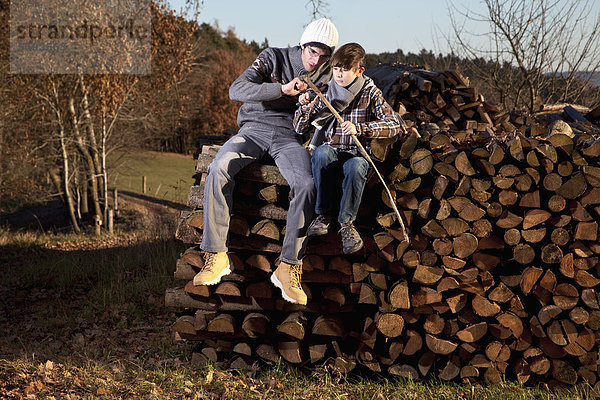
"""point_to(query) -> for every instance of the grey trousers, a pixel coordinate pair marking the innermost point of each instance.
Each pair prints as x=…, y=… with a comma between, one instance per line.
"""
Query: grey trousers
x=293, y=161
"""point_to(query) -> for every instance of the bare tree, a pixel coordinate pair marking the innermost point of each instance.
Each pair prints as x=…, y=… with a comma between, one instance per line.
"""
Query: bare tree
x=531, y=52
x=318, y=8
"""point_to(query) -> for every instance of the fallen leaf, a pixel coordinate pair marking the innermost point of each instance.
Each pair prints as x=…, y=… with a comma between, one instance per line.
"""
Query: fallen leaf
x=33, y=387
x=209, y=377
x=101, y=391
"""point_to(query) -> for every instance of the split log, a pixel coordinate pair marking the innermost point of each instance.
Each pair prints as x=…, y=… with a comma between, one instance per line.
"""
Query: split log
x=290, y=351
x=439, y=346
x=294, y=325
x=390, y=324
x=266, y=228
x=328, y=326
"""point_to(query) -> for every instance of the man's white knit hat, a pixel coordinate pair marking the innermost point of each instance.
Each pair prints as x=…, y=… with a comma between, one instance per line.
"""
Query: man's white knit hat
x=320, y=31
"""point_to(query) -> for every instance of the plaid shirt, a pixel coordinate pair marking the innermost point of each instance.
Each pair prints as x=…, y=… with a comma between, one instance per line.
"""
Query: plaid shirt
x=369, y=112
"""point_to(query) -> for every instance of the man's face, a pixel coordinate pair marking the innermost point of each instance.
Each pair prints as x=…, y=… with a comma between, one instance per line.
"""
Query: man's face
x=314, y=57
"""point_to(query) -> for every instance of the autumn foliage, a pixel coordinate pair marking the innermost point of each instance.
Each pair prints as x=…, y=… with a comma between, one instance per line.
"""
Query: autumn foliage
x=56, y=130
x=219, y=58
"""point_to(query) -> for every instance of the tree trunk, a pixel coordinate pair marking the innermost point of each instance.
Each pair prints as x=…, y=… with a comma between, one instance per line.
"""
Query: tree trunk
x=85, y=151
x=65, y=163
x=65, y=180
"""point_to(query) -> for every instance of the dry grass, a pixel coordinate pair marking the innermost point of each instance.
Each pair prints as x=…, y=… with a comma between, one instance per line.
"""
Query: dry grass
x=168, y=175
x=119, y=379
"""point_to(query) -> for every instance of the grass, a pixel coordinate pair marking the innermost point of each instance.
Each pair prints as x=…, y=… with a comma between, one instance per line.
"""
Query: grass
x=168, y=175
x=115, y=269
x=96, y=380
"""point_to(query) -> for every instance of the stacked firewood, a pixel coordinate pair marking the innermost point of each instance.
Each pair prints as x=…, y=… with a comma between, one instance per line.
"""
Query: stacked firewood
x=244, y=314
x=498, y=280
x=444, y=101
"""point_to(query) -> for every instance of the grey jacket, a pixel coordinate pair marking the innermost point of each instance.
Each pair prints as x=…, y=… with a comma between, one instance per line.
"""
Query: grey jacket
x=259, y=87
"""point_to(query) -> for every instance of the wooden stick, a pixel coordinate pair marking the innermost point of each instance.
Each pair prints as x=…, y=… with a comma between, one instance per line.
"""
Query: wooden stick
x=362, y=150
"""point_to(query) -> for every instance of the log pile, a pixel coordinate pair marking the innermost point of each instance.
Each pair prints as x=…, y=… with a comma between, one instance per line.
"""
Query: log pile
x=444, y=101
x=499, y=279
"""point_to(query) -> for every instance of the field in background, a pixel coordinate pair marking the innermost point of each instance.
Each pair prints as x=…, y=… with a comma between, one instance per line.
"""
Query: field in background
x=168, y=175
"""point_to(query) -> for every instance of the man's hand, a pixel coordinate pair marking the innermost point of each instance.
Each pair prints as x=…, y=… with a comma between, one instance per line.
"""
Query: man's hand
x=304, y=99
x=294, y=87
x=348, y=128
x=306, y=103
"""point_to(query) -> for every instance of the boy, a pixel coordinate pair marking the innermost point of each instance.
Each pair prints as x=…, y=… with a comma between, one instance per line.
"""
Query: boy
x=367, y=115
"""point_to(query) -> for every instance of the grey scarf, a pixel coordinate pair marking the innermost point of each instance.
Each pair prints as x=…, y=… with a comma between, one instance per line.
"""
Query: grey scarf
x=340, y=98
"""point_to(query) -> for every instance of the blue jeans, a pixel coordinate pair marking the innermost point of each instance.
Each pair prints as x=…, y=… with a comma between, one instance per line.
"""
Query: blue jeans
x=329, y=166
x=293, y=161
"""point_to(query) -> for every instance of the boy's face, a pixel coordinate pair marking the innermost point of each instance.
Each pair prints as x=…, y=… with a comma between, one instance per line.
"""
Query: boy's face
x=313, y=57
x=345, y=77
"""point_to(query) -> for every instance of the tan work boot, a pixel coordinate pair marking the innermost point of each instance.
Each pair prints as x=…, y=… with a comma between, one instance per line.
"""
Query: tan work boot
x=216, y=266
x=287, y=278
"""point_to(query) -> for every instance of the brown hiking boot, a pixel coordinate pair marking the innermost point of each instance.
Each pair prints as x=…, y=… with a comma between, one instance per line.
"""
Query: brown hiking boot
x=319, y=226
x=287, y=278
x=216, y=265
x=351, y=240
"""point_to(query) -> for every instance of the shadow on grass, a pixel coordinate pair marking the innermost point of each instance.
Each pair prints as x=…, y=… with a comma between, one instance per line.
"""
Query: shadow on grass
x=75, y=302
x=51, y=216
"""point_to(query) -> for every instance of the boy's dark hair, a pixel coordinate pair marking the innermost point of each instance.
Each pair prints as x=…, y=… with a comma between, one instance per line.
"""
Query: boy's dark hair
x=349, y=56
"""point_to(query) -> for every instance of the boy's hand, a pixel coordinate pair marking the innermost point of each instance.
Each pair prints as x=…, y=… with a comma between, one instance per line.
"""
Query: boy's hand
x=406, y=130
x=294, y=87
x=348, y=128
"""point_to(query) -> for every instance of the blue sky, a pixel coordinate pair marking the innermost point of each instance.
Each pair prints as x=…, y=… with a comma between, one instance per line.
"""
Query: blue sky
x=378, y=25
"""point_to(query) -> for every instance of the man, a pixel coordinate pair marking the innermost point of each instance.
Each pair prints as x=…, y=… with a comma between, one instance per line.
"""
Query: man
x=269, y=89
